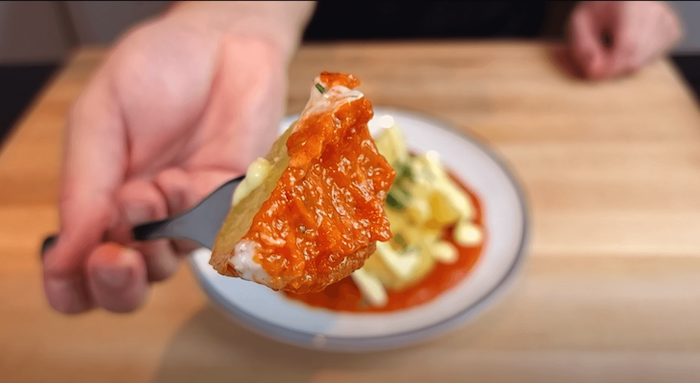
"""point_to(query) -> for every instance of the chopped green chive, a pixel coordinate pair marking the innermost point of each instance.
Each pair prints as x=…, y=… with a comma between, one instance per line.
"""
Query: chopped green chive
x=406, y=172
x=400, y=240
x=393, y=202
x=397, y=198
x=320, y=88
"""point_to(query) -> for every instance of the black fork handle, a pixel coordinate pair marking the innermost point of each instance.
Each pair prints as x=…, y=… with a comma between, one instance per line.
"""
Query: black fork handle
x=47, y=244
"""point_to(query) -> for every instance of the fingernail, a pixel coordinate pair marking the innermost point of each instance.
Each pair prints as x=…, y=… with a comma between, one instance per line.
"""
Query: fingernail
x=138, y=214
x=116, y=278
x=66, y=295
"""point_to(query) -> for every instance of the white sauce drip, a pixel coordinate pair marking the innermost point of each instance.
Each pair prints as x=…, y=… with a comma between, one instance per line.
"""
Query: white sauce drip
x=246, y=266
x=329, y=100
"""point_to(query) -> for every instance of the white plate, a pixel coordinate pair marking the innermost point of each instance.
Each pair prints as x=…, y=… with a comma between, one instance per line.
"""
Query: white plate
x=505, y=218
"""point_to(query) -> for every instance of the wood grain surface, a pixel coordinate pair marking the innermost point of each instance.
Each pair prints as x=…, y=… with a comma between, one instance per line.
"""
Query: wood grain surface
x=610, y=291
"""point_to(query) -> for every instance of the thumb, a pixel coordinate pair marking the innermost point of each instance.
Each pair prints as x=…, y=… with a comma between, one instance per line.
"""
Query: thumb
x=587, y=49
x=93, y=167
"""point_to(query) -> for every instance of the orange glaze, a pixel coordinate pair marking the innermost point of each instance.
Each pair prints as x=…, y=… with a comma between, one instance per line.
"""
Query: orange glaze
x=323, y=217
x=345, y=296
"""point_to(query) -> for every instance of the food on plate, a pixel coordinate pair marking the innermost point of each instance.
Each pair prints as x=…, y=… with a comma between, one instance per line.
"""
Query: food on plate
x=310, y=213
x=438, y=235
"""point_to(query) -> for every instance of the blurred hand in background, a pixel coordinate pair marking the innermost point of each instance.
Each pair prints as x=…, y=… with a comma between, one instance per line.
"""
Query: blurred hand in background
x=182, y=104
x=637, y=33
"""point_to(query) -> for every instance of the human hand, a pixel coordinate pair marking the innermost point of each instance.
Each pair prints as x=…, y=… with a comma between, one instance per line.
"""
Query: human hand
x=181, y=105
x=639, y=32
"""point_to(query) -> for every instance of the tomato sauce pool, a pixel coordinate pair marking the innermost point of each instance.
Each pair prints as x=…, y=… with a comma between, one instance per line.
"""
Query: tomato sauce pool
x=345, y=296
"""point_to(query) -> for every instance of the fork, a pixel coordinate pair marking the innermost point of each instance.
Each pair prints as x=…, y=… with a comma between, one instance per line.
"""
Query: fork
x=200, y=224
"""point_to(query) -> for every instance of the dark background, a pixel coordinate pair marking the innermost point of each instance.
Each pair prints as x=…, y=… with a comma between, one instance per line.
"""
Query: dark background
x=353, y=21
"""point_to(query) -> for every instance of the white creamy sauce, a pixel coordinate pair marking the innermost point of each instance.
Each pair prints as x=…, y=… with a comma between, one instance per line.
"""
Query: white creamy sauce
x=246, y=266
x=330, y=99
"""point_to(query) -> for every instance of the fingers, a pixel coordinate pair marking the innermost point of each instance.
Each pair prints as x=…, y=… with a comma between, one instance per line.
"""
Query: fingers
x=117, y=277
x=170, y=193
x=640, y=32
x=625, y=56
x=628, y=32
x=142, y=201
x=68, y=295
x=643, y=31
x=181, y=195
x=657, y=35
x=671, y=26
x=177, y=189
x=206, y=181
x=93, y=167
x=587, y=49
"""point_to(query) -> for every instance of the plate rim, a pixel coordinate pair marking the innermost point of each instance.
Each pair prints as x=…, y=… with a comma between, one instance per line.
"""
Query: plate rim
x=313, y=341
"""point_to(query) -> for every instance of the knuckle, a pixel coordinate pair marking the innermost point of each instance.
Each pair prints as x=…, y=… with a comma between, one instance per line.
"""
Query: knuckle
x=161, y=260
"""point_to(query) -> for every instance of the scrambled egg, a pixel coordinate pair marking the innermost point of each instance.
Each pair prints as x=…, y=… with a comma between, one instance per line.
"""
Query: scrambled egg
x=421, y=205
